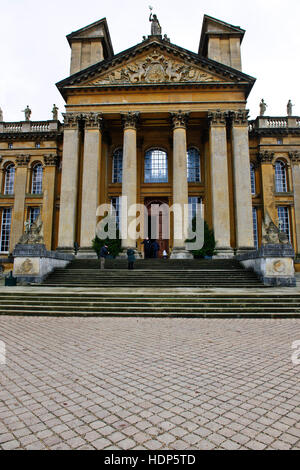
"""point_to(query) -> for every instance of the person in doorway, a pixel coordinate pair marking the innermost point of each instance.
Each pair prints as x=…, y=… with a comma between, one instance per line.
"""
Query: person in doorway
x=131, y=258
x=103, y=255
x=147, y=247
x=155, y=249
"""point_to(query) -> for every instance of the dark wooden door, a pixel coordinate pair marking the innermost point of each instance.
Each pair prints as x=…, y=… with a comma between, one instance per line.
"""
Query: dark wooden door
x=155, y=225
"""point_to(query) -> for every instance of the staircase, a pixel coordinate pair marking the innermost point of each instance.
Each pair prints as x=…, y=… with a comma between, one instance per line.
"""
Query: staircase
x=153, y=303
x=154, y=273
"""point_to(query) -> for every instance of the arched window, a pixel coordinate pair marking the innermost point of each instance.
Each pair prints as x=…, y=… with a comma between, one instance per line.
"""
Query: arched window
x=37, y=179
x=117, y=166
x=9, y=181
x=253, y=183
x=156, y=166
x=193, y=165
x=280, y=177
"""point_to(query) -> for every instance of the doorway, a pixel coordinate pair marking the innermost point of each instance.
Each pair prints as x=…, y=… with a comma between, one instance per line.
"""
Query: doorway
x=158, y=223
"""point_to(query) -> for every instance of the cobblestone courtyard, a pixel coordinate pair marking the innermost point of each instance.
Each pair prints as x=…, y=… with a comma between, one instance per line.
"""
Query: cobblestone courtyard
x=111, y=383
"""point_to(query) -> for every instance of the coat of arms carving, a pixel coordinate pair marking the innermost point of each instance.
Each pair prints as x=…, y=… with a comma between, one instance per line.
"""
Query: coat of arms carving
x=155, y=68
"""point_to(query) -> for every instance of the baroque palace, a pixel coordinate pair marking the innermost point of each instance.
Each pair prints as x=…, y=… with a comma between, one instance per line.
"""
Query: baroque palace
x=159, y=124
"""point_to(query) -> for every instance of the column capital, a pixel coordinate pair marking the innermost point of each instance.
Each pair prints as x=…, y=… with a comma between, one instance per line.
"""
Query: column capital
x=265, y=157
x=295, y=157
x=51, y=160
x=217, y=118
x=130, y=119
x=240, y=117
x=180, y=119
x=22, y=160
x=93, y=121
x=71, y=120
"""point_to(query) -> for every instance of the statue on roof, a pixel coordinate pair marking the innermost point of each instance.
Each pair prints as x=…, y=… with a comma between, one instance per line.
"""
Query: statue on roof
x=1, y=115
x=155, y=26
x=263, y=107
x=55, y=112
x=289, y=108
x=27, y=112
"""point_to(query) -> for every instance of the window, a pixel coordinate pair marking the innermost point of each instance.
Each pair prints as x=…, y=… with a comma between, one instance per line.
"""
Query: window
x=279, y=141
x=10, y=146
x=156, y=166
x=280, y=177
x=34, y=212
x=255, y=229
x=284, y=220
x=38, y=145
x=115, y=203
x=253, y=184
x=9, y=181
x=193, y=166
x=193, y=206
x=37, y=179
x=117, y=166
x=5, y=230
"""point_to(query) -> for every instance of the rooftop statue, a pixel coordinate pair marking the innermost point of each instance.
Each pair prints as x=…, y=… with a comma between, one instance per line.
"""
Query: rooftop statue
x=1, y=115
x=55, y=112
x=263, y=107
x=289, y=108
x=155, y=26
x=27, y=112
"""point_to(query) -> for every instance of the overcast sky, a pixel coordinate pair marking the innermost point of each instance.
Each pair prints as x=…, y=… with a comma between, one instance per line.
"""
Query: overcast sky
x=34, y=53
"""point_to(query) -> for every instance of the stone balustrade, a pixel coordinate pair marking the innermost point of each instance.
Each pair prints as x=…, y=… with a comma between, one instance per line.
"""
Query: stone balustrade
x=267, y=122
x=29, y=126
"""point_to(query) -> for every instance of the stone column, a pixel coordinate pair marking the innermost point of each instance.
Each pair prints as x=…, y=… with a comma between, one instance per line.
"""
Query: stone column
x=18, y=213
x=49, y=174
x=219, y=183
x=69, y=183
x=295, y=158
x=242, y=182
x=129, y=178
x=90, y=183
x=180, y=186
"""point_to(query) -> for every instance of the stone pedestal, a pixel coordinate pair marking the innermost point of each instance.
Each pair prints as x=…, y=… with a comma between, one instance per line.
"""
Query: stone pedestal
x=273, y=263
x=33, y=263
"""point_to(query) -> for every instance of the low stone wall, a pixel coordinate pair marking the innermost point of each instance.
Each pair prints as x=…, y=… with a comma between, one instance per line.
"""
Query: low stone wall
x=273, y=263
x=33, y=263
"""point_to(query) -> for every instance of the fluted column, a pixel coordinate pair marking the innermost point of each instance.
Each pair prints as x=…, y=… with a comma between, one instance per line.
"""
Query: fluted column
x=295, y=158
x=17, y=227
x=219, y=183
x=242, y=181
x=90, y=181
x=129, y=176
x=69, y=183
x=49, y=174
x=180, y=185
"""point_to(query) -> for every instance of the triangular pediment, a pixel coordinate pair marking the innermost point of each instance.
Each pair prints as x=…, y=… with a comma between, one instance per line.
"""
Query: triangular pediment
x=155, y=62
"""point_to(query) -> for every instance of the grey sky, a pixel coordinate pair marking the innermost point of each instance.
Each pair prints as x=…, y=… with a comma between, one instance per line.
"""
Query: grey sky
x=34, y=53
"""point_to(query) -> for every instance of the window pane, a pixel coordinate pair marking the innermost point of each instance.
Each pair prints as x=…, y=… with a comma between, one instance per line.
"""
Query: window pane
x=284, y=220
x=34, y=212
x=255, y=230
x=280, y=177
x=117, y=166
x=253, y=185
x=193, y=166
x=193, y=206
x=37, y=179
x=9, y=179
x=156, y=166
x=115, y=203
x=5, y=230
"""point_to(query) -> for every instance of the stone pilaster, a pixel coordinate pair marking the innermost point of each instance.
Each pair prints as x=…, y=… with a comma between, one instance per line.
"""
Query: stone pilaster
x=129, y=178
x=267, y=183
x=49, y=174
x=242, y=181
x=69, y=183
x=90, y=181
x=219, y=183
x=180, y=185
x=17, y=227
x=295, y=159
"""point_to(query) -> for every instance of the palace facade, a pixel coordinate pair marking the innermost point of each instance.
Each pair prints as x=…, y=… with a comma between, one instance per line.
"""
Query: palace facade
x=158, y=124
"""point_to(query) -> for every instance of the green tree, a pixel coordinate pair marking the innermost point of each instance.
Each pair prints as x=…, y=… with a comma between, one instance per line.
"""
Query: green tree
x=209, y=246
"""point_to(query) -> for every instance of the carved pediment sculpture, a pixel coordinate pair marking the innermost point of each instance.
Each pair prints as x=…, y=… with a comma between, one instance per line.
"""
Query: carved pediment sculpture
x=33, y=233
x=155, y=68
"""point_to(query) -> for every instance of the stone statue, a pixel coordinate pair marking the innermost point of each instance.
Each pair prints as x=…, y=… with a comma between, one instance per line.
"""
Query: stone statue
x=263, y=107
x=271, y=234
x=1, y=115
x=289, y=108
x=33, y=233
x=55, y=112
x=27, y=112
x=155, y=26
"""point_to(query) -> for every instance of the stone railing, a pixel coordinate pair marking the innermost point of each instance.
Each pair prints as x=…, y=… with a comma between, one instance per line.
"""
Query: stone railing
x=277, y=123
x=268, y=122
x=29, y=126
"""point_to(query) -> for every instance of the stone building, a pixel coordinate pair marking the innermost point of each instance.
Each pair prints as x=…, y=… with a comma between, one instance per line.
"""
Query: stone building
x=159, y=124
